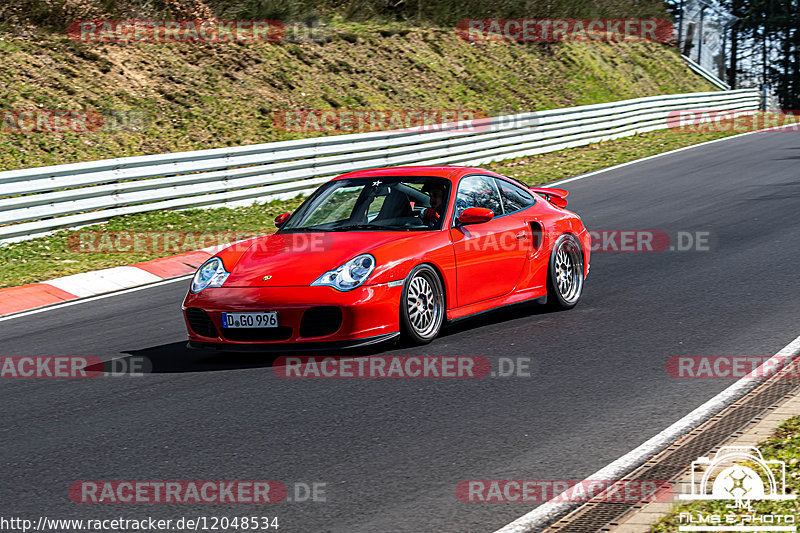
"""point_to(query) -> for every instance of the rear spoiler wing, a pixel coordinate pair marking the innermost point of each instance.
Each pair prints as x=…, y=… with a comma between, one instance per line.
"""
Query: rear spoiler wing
x=557, y=197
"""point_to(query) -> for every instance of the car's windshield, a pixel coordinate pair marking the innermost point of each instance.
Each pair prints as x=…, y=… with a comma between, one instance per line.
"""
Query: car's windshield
x=387, y=203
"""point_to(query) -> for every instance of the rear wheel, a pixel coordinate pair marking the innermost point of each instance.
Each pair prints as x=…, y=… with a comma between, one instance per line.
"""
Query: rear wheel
x=422, y=306
x=565, y=273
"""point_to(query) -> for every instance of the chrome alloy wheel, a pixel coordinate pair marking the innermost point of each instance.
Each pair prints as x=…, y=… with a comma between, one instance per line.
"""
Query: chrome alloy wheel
x=568, y=270
x=425, y=306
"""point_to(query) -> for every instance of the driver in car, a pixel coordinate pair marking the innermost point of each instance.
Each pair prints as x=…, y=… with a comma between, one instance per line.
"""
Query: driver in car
x=431, y=215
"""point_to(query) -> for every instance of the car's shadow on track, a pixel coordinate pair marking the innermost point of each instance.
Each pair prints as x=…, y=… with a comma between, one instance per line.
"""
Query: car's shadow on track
x=495, y=316
x=176, y=357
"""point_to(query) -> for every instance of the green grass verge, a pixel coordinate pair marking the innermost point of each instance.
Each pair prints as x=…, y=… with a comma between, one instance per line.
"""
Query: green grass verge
x=784, y=446
x=50, y=257
x=187, y=97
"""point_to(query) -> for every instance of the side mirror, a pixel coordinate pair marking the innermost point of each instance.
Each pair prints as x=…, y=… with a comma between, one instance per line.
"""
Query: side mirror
x=281, y=219
x=475, y=215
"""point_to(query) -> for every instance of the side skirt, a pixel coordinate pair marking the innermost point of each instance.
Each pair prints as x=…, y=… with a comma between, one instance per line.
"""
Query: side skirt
x=494, y=304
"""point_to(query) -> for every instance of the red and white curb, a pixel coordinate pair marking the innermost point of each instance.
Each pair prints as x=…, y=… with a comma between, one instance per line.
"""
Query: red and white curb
x=84, y=285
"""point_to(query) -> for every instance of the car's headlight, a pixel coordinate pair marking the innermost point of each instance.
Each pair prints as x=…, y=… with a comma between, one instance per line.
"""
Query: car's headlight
x=350, y=275
x=211, y=274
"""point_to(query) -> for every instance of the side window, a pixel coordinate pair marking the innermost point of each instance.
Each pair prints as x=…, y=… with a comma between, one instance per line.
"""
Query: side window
x=478, y=191
x=514, y=197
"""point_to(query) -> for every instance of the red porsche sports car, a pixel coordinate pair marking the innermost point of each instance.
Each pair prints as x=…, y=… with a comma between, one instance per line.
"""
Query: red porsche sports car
x=374, y=254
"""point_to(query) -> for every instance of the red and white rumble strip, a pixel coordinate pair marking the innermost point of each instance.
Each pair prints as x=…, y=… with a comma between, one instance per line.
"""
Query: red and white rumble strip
x=33, y=295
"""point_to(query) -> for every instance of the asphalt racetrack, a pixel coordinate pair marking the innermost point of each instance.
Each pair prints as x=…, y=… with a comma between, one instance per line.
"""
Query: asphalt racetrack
x=390, y=453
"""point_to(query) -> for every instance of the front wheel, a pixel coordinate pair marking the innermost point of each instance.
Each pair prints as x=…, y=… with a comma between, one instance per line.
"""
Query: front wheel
x=422, y=306
x=565, y=273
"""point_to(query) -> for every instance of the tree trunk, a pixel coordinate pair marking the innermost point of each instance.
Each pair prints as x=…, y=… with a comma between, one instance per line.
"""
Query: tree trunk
x=734, y=56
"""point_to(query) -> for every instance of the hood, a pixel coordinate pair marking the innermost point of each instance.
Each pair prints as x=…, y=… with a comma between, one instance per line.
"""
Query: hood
x=297, y=259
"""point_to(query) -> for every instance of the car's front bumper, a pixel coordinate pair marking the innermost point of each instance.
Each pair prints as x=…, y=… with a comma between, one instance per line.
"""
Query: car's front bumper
x=336, y=318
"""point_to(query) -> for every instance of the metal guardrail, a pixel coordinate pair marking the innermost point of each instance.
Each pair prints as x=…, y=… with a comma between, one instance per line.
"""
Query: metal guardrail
x=37, y=201
x=702, y=71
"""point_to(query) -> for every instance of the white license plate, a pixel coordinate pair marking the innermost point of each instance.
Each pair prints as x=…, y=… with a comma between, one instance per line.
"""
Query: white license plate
x=267, y=319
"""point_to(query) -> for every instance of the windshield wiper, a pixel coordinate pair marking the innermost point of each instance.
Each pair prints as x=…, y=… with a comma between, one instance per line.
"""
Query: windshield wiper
x=360, y=226
x=301, y=230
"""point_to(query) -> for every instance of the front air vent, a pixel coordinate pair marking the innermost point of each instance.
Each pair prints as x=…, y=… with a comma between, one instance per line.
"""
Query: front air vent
x=321, y=321
x=201, y=323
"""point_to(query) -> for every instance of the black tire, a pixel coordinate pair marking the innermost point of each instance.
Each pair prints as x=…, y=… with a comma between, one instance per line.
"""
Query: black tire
x=565, y=273
x=422, y=306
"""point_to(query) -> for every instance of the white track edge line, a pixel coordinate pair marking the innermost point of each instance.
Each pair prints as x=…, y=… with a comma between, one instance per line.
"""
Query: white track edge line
x=92, y=298
x=552, y=509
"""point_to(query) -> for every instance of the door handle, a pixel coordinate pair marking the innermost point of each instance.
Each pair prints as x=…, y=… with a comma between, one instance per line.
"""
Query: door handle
x=521, y=235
